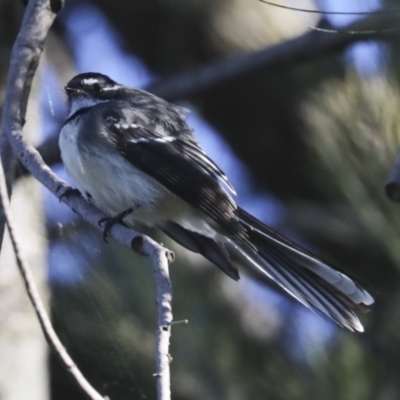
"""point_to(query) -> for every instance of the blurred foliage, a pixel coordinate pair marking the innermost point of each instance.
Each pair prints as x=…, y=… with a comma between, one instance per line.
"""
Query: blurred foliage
x=231, y=348
x=318, y=136
x=352, y=128
x=239, y=347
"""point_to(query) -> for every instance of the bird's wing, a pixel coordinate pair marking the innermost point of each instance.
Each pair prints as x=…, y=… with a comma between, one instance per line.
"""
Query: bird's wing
x=211, y=249
x=177, y=162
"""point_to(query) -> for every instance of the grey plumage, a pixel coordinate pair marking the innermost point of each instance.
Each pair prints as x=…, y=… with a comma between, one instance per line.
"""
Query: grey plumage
x=211, y=249
x=128, y=148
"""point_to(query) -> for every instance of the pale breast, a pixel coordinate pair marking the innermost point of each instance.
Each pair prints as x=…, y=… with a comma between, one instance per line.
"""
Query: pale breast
x=114, y=185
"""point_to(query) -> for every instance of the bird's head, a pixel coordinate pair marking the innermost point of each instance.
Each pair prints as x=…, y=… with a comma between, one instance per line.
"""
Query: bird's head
x=91, y=84
x=90, y=88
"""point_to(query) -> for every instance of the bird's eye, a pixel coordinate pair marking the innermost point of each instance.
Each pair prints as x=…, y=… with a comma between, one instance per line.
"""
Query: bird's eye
x=96, y=88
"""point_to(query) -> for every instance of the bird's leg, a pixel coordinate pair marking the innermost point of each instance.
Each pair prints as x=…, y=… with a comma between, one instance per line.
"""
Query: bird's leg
x=109, y=222
x=69, y=192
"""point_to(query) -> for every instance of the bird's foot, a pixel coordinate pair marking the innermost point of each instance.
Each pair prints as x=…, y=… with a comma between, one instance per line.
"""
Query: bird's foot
x=69, y=192
x=109, y=222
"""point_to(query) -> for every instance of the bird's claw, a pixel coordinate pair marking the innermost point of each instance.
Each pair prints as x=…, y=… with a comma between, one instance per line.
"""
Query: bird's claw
x=109, y=222
x=68, y=192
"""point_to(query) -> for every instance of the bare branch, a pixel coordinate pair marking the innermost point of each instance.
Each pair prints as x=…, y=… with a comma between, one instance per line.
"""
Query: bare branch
x=161, y=259
x=309, y=46
x=305, y=47
x=344, y=32
x=164, y=297
x=143, y=245
x=36, y=301
x=24, y=60
x=307, y=10
x=49, y=151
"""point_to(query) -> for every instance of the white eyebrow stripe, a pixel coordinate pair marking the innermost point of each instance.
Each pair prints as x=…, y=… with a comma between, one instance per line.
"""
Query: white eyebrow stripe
x=90, y=81
x=104, y=89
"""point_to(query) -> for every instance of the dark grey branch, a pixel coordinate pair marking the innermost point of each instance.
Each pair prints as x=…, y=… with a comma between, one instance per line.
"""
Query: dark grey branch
x=306, y=47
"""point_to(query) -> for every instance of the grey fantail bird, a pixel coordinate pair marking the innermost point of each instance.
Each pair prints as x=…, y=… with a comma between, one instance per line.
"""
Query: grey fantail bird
x=133, y=156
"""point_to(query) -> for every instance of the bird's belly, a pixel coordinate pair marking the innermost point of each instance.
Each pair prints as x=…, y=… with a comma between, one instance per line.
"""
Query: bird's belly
x=109, y=181
x=114, y=185
x=151, y=202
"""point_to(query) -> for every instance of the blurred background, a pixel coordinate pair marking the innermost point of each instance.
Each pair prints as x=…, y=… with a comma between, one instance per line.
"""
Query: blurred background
x=308, y=143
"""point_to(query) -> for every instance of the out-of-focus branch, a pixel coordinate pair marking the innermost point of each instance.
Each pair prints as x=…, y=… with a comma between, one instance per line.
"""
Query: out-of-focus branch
x=142, y=244
x=306, y=47
x=36, y=300
x=33, y=162
x=310, y=45
x=24, y=60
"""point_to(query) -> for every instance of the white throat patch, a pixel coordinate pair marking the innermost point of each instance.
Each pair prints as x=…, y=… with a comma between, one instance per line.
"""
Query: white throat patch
x=83, y=102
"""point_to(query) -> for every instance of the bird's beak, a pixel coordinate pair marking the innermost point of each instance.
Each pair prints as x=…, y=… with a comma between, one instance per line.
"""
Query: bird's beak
x=70, y=91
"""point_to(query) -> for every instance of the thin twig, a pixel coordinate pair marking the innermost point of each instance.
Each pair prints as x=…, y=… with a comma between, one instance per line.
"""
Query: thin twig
x=346, y=32
x=308, y=10
x=34, y=296
x=161, y=261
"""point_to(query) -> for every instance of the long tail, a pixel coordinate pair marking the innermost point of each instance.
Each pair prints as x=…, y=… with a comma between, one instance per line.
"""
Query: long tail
x=301, y=274
x=308, y=279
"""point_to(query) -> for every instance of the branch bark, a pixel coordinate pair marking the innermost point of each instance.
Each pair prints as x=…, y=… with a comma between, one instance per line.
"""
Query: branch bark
x=161, y=259
x=142, y=244
x=164, y=297
x=24, y=62
x=25, y=58
x=36, y=301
